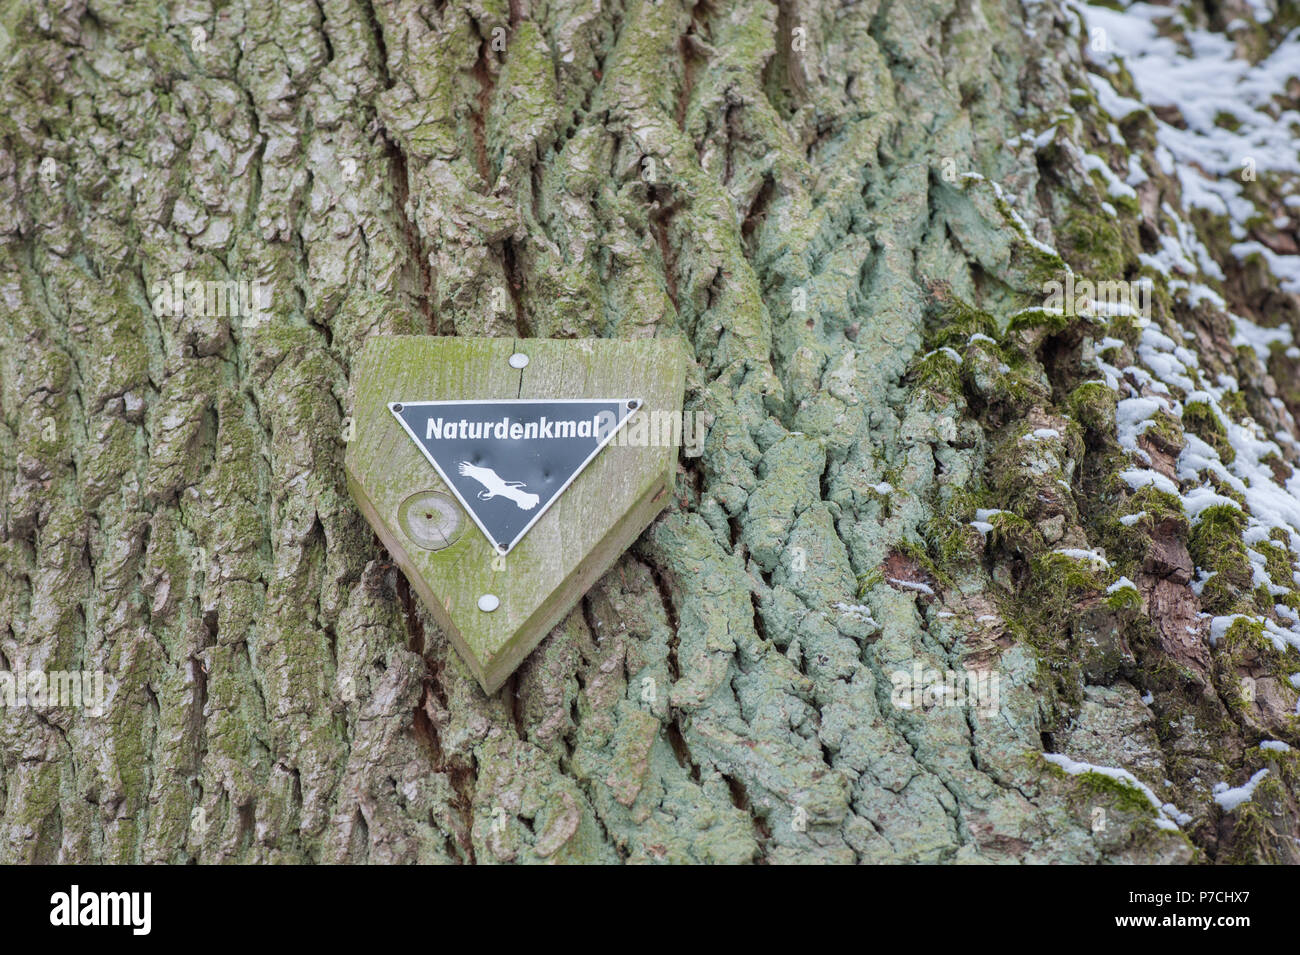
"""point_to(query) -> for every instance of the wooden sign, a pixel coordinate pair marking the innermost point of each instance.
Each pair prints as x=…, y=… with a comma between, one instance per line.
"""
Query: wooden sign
x=505, y=476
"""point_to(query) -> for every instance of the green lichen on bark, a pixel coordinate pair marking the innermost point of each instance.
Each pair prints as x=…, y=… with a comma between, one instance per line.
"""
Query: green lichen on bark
x=835, y=208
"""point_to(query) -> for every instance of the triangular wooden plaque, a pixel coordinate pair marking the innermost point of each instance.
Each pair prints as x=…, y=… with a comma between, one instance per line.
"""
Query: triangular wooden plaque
x=496, y=608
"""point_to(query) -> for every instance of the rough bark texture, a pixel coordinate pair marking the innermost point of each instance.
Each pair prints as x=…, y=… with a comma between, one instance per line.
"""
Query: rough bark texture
x=834, y=206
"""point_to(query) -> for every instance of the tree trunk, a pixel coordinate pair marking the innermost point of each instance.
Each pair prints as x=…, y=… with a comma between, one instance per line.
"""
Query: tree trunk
x=921, y=460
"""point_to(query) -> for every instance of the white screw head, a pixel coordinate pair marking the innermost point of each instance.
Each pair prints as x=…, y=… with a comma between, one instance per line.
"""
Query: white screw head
x=488, y=602
x=518, y=360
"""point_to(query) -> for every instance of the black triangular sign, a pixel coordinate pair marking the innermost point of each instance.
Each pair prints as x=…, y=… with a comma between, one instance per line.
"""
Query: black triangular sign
x=508, y=460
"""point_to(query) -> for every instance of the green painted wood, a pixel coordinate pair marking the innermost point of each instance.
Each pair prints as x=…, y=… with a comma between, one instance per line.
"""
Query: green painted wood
x=576, y=540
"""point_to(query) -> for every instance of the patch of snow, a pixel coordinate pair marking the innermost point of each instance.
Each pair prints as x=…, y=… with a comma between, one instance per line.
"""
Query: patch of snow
x=912, y=585
x=1092, y=556
x=1230, y=799
x=1166, y=811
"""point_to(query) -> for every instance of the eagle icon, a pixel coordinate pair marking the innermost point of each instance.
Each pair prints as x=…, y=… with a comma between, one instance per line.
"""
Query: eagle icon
x=494, y=486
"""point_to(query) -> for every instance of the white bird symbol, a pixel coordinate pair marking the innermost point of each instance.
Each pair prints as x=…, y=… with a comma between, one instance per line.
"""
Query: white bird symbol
x=494, y=486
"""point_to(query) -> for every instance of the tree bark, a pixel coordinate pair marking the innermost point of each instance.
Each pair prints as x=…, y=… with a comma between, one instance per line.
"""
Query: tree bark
x=850, y=215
